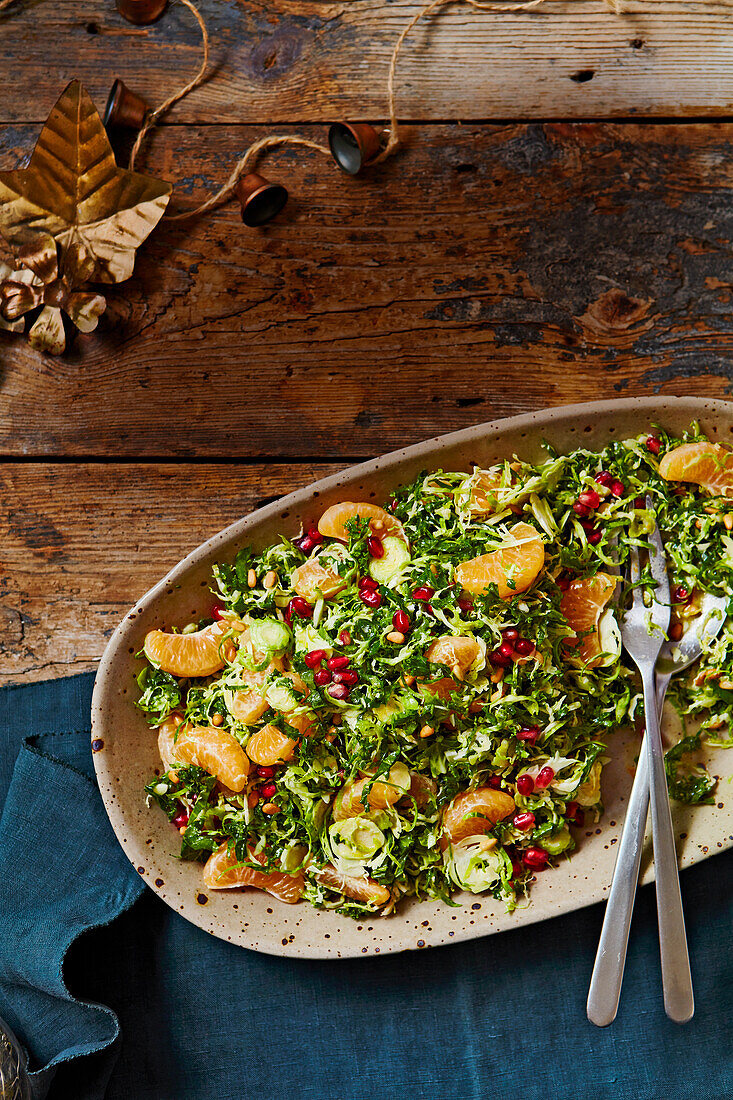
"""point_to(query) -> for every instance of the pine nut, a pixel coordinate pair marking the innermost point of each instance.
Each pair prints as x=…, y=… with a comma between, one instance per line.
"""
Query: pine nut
x=270, y=579
x=475, y=708
x=251, y=578
x=408, y=679
x=497, y=694
x=270, y=808
x=497, y=676
x=427, y=731
x=675, y=632
x=728, y=521
x=217, y=719
x=396, y=637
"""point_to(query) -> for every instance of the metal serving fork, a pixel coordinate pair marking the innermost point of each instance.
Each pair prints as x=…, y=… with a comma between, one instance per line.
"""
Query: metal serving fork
x=608, y=970
x=643, y=633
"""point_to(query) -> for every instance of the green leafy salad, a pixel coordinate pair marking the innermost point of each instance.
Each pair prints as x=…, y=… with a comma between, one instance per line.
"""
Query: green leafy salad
x=417, y=699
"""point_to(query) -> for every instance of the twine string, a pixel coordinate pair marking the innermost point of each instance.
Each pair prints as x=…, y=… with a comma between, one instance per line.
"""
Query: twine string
x=152, y=117
x=260, y=146
x=241, y=167
x=393, y=140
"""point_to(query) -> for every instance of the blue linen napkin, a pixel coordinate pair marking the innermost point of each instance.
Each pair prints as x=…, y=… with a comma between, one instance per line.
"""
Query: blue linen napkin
x=204, y=1020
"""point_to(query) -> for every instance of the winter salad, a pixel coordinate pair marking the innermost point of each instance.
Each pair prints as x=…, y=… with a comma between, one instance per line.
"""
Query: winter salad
x=416, y=699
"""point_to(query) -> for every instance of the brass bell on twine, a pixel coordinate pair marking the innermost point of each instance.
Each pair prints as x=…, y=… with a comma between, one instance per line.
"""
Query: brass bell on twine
x=141, y=12
x=124, y=108
x=260, y=199
x=354, y=145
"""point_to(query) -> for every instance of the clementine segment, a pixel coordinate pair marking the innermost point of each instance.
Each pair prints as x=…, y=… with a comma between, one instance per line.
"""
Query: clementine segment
x=513, y=567
x=472, y=813
x=196, y=654
x=222, y=872
x=216, y=751
x=365, y=890
x=270, y=746
x=706, y=464
x=582, y=604
x=458, y=653
x=166, y=743
x=384, y=793
x=311, y=577
x=332, y=523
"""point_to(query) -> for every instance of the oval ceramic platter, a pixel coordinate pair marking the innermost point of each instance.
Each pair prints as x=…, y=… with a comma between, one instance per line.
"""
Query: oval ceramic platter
x=126, y=748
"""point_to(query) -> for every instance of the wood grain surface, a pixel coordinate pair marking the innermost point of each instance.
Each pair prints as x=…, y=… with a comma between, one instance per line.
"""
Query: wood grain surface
x=488, y=269
x=310, y=60
x=81, y=542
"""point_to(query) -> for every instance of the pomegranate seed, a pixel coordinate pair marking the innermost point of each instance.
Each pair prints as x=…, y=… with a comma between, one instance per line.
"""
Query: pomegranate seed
x=594, y=537
x=517, y=869
x=563, y=583
x=580, y=818
x=528, y=733
x=494, y=781
x=299, y=606
x=401, y=621
x=368, y=582
x=370, y=597
x=653, y=444
x=347, y=676
x=581, y=509
x=423, y=593
x=266, y=771
x=322, y=677
x=268, y=790
x=511, y=635
x=590, y=498
x=680, y=594
x=305, y=544
x=315, y=536
x=524, y=647
x=640, y=502
x=604, y=478
x=497, y=658
x=524, y=821
x=338, y=691
x=618, y=488
x=545, y=777
x=525, y=784
x=506, y=650
x=337, y=662
x=345, y=637
x=466, y=606
x=375, y=547
x=217, y=612
x=314, y=658
x=536, y=858
x=181, y=819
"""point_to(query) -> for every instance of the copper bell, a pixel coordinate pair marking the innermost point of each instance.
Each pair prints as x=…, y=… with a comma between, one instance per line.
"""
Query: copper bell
x=141, y=11
x=353, y=145
x=261, y=200
x=124, y=108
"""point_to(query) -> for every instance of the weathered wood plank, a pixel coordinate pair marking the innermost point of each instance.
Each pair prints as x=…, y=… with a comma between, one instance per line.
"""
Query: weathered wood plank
x=309, y=60
x=80, y=543
x=485, y=271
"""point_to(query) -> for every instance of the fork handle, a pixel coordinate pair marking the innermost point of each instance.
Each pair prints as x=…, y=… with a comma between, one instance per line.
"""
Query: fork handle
x=608, y=969
x=679, y=1003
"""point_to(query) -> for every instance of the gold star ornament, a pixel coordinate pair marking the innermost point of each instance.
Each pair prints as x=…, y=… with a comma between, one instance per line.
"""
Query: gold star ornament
x=72, y=216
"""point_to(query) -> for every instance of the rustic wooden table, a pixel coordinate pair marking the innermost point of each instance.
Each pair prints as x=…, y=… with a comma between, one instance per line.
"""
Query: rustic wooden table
x=520, y=257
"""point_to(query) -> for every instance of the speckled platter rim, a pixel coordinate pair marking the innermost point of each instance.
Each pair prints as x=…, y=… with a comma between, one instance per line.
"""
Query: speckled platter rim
x=125, y=750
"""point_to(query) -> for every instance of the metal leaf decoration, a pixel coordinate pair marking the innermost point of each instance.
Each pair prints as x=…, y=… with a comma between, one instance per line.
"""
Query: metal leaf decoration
x=72, y=189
